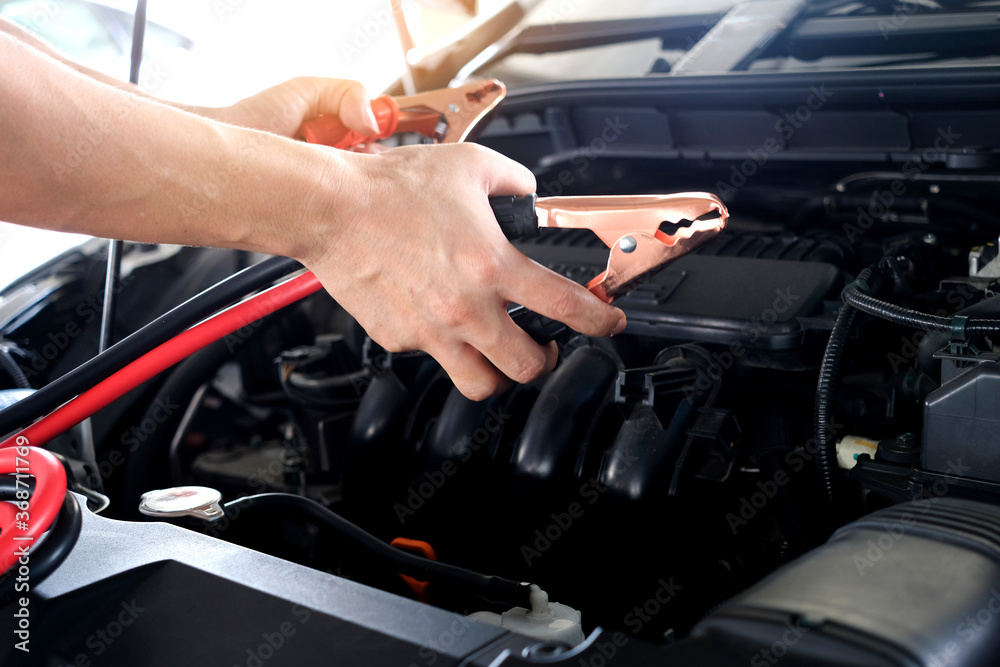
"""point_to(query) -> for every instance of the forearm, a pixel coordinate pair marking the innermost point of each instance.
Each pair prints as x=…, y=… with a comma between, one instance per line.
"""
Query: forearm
x=84, y=156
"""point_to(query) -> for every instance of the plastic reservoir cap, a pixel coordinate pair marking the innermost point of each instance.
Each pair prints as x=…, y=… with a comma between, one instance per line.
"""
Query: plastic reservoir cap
x=850, y=447
x=546, y=621
x=201, y=502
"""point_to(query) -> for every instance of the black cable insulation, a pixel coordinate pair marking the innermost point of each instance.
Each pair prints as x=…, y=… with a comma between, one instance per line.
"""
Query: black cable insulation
x=160, y=330
x=9, y=365
x=45, y=557
x=855, y=296
x=489, y=587
x=826, y=398
x=9, y=486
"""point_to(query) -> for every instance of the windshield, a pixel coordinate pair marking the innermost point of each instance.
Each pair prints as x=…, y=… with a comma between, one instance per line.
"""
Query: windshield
x=566, y=40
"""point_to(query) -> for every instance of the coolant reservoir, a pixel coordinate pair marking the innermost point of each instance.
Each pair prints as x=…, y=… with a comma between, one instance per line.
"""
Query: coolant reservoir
x=546, y=621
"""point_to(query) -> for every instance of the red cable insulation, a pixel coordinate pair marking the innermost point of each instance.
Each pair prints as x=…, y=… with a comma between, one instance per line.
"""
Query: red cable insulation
x=34, y=516
x=163, y=357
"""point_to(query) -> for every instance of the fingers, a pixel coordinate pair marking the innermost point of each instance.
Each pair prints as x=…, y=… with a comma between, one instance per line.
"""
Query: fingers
x=470, y=372
x=550, y=294
x=519, y=357
x=540, y=289
x=348, y=100
x=503, y=175
x=356, y=111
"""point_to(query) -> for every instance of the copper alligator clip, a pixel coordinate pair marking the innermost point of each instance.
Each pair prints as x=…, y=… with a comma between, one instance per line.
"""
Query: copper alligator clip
x=644, y=232
x=446, y=116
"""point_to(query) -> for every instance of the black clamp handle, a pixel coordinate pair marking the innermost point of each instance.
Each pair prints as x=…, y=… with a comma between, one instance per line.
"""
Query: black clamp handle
x=516, y=216
x=517, y=219
x=542, y=329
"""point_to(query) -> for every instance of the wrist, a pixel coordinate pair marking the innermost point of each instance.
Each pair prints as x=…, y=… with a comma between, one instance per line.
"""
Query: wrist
x=336, y=199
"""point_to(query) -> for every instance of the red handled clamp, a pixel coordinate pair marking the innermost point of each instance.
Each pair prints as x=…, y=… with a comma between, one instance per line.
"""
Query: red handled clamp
x=446, y=116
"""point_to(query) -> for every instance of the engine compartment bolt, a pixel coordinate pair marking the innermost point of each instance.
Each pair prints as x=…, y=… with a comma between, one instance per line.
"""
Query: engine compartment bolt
x=627, y=244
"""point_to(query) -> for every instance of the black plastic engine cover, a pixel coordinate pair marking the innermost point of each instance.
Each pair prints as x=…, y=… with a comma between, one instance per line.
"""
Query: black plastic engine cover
x=914, y=584
x=757, y=303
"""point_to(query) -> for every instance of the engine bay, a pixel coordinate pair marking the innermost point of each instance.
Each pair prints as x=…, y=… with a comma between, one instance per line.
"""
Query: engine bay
x=789, y=453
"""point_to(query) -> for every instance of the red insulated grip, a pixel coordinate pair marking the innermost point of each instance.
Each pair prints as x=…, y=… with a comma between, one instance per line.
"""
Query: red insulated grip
x=329, y=131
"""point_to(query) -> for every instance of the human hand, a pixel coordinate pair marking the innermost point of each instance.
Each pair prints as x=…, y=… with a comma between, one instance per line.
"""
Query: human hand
x=283, y=108
x=416, y=256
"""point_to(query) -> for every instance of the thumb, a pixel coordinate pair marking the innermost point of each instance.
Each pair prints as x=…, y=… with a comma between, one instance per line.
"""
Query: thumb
x=355, y=109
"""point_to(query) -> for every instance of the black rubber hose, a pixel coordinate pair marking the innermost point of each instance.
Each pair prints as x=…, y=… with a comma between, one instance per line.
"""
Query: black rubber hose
x=855, y=295
x=9, y=486
x=490, y=587
x=47, y=556
x=12, y=369
x=826, y=395
x=160, y=330
x=329, y=394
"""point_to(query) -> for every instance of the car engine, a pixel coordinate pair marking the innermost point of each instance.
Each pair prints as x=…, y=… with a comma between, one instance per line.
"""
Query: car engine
x=789, y=454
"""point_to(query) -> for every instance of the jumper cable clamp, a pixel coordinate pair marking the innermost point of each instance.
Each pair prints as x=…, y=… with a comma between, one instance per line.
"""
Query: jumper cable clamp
x=644, y=233
x=445, y=116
